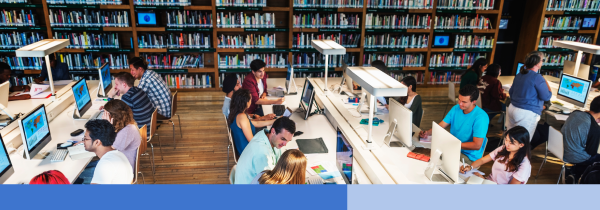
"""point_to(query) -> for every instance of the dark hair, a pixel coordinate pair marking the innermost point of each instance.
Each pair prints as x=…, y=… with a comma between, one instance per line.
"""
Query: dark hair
x=595, y=105
x=101, y=130
x=532, y=59
x=480, y=62
x=284, y=123
x=229, y=83
x=520, y=135
x=257, y=64
x=379, y=64
x=410, y=80
x=493, y=70
x=125, y=77
x=52, y=57
x=4, y=66
x=138, y=62
x=470, y=90
x=239, y=104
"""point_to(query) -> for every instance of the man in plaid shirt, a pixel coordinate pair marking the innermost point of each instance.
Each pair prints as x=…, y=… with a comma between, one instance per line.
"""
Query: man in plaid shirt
x=153, y=85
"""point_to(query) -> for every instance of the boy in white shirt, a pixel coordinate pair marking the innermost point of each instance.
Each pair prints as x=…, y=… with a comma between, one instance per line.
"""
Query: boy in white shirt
x=113, y=167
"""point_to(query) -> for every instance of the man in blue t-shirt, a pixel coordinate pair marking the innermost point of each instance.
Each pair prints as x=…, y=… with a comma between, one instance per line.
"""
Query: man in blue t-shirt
x=469, y=124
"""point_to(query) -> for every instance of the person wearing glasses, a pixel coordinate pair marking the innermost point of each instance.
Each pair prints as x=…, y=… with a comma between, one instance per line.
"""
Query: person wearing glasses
x=113, y=166
x=528, y=93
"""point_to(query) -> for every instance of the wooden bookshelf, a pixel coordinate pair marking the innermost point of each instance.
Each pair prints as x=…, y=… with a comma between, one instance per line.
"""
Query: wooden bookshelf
x=532, y=31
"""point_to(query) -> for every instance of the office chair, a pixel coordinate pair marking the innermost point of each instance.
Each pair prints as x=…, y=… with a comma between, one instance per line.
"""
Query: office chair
x=173, y=113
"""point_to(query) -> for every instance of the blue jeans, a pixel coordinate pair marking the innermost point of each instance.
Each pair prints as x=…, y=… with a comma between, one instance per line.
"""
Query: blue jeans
x=88, y=173
x=494, y=113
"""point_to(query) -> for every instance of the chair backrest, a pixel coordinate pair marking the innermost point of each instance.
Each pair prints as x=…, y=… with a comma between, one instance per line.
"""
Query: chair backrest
x=141, y=150
x=174, y=104
x=555, y=143
x=153, y=123
x=232, y=175
x=137, y=167
x=452, y=92
x=478, y=102
x=235, y=157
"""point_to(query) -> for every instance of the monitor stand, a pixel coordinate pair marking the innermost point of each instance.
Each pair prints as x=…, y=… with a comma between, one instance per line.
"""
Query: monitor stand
x=100, y=95
x=339, y=89
x=40, y=155
x=433, y=166
x=390, y=133
x=76, y=115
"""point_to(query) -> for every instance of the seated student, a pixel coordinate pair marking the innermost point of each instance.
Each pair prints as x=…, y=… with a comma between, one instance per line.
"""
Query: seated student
x=242, y=127
x=581, y=138
x=413, y=100
x=135, y=98
x=113, y=167
x=264, y=150
x=290, y=169
x=491, y=91
x=60, y=71
x=511, y=160
x=128, y=135
x=256, y=83
x=153, y=86
x=5, y=74
x=469, y=124
x=473, y=74
x=50, y=177
x=231, y=84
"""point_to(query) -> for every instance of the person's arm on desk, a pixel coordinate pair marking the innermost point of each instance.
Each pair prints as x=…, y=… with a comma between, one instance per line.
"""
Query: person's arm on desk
x=21, y=97
x=427, y=133
x=269, y=102
x=25, y=88
x=263, y=118
x=477, y=163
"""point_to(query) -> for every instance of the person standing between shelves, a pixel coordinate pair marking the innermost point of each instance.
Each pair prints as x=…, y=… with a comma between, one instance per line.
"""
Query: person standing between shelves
x=242, y=126
x=528, y=93
x=473, y=74
x=492, y=92
x=153, y=86
x=60, y=71
x=5, y=74
x=469, y=124
x=232, y=84
x=256, y=83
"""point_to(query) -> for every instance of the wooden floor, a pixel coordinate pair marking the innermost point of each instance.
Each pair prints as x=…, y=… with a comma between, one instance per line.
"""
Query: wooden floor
x=201, y=155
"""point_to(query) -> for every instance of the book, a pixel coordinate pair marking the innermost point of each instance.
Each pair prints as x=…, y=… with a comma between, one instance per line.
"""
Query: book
x=326, y=20
x=562, y=23
x=241, y=3
x=395, y=60
x=273, y=60
x=465, y=4
x=303, y=40
x=170, y=61
x=404, y=21
x=247, y=41
x=15, y=40
x=23, y=63
x=88, y=18
x=187, y=81
x=328, y=3
x=89, y=61
x=454, y=59
x=546, y=41
x=479, y=180
x=85, y=40
x=573, y=5
x=163, y=3
x=461, y=22
x=317, y=60
x=189, y=19
x=399, y=4
x=175, y=40
x=473, y=41
x=78, y=152
x=93, y=2
x=17, y=18
x=443, y=77
x=397, y=41
x=245, y=20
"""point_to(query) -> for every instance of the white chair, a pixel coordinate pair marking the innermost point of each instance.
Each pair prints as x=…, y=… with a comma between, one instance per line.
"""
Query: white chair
x=231, y=145
x=232, y=175
x=556, y=147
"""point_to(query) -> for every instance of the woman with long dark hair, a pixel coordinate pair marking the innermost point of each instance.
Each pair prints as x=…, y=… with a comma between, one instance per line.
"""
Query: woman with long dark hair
x=242, y=126
x=511, y=160
x=412, y=100
x=473, y=74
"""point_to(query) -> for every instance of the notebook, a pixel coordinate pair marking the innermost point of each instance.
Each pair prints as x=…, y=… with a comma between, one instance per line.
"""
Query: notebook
x=479, y=180
x=310, y=146
x=78, y=152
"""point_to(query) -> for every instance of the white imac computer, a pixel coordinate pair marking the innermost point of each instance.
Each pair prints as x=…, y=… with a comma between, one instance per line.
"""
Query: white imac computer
x=307, y=99
x=83, y=101
x=289, y=81
x=105, y=81
x=574, y=90
x=35, y=131
x=446, y=146
x=400, y=125
x=6, y=169
x=344, y=158
x=569, y=68
x=4, y=94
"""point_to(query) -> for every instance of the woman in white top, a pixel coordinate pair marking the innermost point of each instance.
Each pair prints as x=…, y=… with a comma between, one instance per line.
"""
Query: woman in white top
x=511, y=160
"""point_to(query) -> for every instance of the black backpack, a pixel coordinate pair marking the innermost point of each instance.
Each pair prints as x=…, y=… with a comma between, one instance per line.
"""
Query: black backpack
x=591, y=175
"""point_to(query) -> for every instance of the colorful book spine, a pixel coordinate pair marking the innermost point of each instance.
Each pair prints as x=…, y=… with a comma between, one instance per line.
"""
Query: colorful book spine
x=562, y=23
x=317, y=60
x=443, y=77
x=187, y=81
x=17, y=18
x=404, y=21
x=465, y=4
x=559, y=59
x=85, y=40
x=399, y=4
x=397, y=41
x=175, y=41
x=462, y=22
x=171, y=61
x=396, y=60
x=454, y=59
x=89, y=61
x=23, y=63
x=328, y=3
x=92, y=2
x=247, y=41
x=326, y=20
x=303, y=40
x=573, y=5
x=88, y=18
x=163, y=3
x=473, y=41
x=546, y=41
x=189, y=19
x=245, y=20
x=273, y=60
x=241, y=3
x=15, y=40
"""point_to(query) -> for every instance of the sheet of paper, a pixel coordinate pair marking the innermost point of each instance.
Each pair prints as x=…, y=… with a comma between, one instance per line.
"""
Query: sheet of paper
x=561, y=117
x=59, y=82
x=37, y=89
x=506, y=87
x=470, y=173
x=425, y=140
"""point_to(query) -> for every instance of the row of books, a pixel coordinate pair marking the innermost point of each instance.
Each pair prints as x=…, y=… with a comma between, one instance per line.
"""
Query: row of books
x=317, y=60
x=85, y=40
x=23, y=63
x=326, y=20
x=92, y=2
x=462, y=22
x=169, y=61
x=77, y=77
x=15, y=40
x=240, y=77
x=247, y=41
x=546, y=41
x=14, y=1
x=562, y=23
x=454, y=59
x=189, y=19
x=77, y=61
x=465, y=4
x=443, y=77
x=406, y=21
x=17, y=18
x=399, y=4
x=163, y=2
x=396, y=60
x=328, y=3
x=304, y=40
x=89, y=18
x=187, y=81
x=241, y=20
x=273, y=60
x=241, y=3
x=473, y=41
x=21, y=80
x=573, y=5
x=419, y=76
x=397, y=41
x=175, y=40
x=554, y=73
x=557, y=59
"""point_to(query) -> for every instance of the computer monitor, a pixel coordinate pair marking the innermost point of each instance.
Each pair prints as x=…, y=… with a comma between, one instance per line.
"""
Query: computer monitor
x=35, y=131
x=400, y=125
x=344, y=158
x=446, y=146
x=6, y=169
x=573, y=90
x=83, y=101
x=519, y=67
x=4, y=94
x=105, y=80
x=441, y=40
x=583, y=72
x=146, y=18
x=308, y=98
x=589, y=23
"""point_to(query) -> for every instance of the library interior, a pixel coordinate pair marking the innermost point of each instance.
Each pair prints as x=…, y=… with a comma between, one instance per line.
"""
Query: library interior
x=405, y=91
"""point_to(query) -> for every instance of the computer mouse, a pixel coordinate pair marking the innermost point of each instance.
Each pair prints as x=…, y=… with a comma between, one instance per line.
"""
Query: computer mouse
x=566, y=111
x=66, y=144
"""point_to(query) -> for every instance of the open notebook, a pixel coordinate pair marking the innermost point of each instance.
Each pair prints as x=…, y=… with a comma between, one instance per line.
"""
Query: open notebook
x=479, y=180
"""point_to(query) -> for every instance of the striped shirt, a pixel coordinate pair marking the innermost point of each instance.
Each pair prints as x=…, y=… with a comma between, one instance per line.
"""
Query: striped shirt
x=157, y=91
x=140, y=105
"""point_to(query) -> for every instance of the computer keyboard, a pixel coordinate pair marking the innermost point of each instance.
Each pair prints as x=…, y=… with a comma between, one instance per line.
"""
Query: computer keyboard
x=315, y=180
x=98, y=115
x=278, y=110
x=59, y=155
x=556, y=106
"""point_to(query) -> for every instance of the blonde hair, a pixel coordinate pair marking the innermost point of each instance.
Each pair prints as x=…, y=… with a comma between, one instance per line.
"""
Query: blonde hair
x=290, y=169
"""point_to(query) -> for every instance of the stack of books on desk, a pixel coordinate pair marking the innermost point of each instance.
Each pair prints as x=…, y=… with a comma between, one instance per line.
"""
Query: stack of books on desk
x=241, y=3
x=16, y=40
x=466, y=4
x=168, y=61
x=328, y=3
x=304, y=40
x=396, y=60
x=454, y=59
x=17, y=18
x=443, y=77
x=243, y=20
x=546, y=41
x=461, y=22
x=163, y=3
x=187, y=81
x=88, y=61
x=23, y=63
x=317, y=60
x=175, y=40
x=397, y=41
x=85, y=40
x=562, y=23
x=89, y=18
x=93, y=2
x=189, y=19
x=473, y=41
x=573, y=5
x=247, y=41
x=399, y=4
x=273, y=60
x=326, y=20
x=404, y=21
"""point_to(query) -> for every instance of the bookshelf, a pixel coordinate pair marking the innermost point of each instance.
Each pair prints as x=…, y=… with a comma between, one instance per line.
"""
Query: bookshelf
x=536, y=33
x=346, y=23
